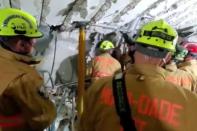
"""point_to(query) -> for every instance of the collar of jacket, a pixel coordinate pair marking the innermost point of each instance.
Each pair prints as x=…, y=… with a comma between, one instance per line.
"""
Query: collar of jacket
x=105, y=55
x=147, y=70
x=4, y=53
x=188, y=63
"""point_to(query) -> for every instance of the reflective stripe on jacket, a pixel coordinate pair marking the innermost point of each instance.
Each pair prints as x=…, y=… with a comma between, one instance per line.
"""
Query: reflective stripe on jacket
x=156, y=105
x=11, y=121
x=19, y=93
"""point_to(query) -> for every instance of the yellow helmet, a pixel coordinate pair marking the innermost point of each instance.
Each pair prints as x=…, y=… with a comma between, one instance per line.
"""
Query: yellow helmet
x=106, y=45
x=158, y=34
x=14, y=22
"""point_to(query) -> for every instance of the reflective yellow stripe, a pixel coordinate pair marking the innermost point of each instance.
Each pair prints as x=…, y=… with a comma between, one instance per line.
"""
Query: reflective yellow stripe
x=100, y=74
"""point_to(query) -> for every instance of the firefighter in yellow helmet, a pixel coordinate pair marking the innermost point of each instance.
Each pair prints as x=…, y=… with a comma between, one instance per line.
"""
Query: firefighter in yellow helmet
x=155, y=104
x=177, y=75
x=22, y=105
x=104, y=64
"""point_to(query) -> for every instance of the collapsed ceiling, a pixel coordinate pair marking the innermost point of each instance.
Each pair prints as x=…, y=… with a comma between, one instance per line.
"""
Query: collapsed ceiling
x=104, y=16
x=109, y=14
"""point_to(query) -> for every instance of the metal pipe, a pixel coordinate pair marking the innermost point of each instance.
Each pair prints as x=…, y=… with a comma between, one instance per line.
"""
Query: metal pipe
x=81, y=70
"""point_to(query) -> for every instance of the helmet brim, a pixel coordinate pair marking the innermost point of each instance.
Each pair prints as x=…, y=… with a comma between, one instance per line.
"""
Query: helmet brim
x=35, y=35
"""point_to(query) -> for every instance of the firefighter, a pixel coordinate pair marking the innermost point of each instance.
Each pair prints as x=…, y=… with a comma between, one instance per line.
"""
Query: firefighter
x=178, y=57
x=156, y=105
x=190, y=61
x=104, y=64
x=22, y=106
x=177, y=76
